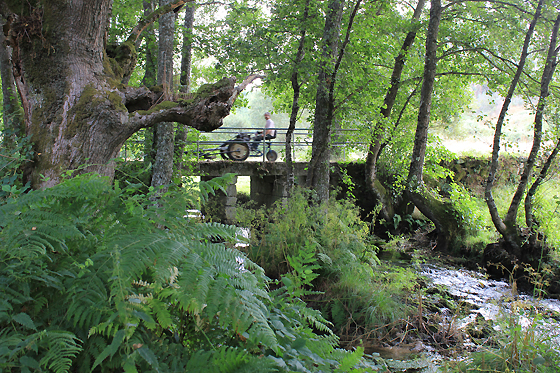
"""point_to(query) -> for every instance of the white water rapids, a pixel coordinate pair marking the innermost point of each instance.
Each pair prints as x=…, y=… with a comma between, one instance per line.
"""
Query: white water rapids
x=494, y=299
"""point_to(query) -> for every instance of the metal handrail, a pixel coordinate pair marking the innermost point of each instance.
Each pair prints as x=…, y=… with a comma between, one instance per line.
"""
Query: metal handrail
x=250, y=130
x=307, y=141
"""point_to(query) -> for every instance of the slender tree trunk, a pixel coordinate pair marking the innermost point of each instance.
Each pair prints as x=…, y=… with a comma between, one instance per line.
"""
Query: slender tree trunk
x=430, y=65
x=318, y=176
x=295, y=103
x=529, y=216
x=163, y=165
x=185, y=84
x=375, y=146
x=548, y=71
x=186, y=60
x=447, y=226
x=149, y=80
x=150, y=71
x=508, y=231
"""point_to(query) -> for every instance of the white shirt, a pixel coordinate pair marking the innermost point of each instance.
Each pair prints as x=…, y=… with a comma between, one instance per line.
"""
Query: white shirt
x=269, y=126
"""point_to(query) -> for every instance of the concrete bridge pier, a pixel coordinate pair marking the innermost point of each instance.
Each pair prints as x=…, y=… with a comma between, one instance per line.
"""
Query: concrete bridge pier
x=222, y=206
x=268, y=185
x=267, y=189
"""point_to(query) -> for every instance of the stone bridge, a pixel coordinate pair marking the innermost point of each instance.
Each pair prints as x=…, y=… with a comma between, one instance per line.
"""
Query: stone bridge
x=268, y=183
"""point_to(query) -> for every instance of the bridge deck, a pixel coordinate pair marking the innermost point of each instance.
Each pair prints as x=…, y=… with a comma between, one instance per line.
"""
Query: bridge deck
x=248, y=168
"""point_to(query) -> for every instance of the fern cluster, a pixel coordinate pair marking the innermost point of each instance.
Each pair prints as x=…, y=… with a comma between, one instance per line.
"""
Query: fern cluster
x=358, y=293
x=94, y=277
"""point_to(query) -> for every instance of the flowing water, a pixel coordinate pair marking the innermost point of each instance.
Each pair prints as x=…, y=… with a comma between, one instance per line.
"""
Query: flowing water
x=493, y=300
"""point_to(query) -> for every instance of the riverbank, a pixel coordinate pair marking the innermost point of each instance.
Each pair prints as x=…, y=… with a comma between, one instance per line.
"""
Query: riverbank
x=463, y=317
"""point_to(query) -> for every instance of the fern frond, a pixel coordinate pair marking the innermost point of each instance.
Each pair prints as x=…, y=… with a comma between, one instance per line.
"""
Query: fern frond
x=61, y=348
x=229, y=359
x=87, y=301
x=111, y=349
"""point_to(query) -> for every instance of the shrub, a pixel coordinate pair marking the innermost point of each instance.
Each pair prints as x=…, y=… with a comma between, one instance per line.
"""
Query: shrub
x=345, y=258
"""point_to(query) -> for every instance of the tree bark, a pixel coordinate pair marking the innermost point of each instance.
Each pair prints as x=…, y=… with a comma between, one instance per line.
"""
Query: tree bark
x=375, y=146
x=163, y=165
x=440, y=213
x=508, y=232
x=318, y=176
x=12, y=115
x=295, y=103
x=75, y=107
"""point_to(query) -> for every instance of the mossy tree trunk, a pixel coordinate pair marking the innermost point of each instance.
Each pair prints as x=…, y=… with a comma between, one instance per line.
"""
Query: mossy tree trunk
x=12, y=112
x=76, y=109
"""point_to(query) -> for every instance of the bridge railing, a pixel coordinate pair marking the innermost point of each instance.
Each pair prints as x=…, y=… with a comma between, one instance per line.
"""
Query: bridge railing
x=302, y=137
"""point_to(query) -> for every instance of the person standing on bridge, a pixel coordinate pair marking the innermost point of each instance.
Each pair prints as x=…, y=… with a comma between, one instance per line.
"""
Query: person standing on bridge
x=270, y=132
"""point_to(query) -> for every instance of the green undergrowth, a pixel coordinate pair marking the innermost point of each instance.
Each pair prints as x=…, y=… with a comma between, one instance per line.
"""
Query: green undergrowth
x=521, y=340
x=480, y=230
x=351, y=287
x=96, y=278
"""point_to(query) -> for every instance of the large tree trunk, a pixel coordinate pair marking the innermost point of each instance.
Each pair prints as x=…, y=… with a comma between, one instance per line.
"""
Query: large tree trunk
x=75, y=108
x=319, y=171
x=387, y=210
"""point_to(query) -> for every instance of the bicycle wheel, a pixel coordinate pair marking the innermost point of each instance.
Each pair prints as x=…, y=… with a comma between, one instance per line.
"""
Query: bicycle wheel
x=271, y=156
x=238, y=151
